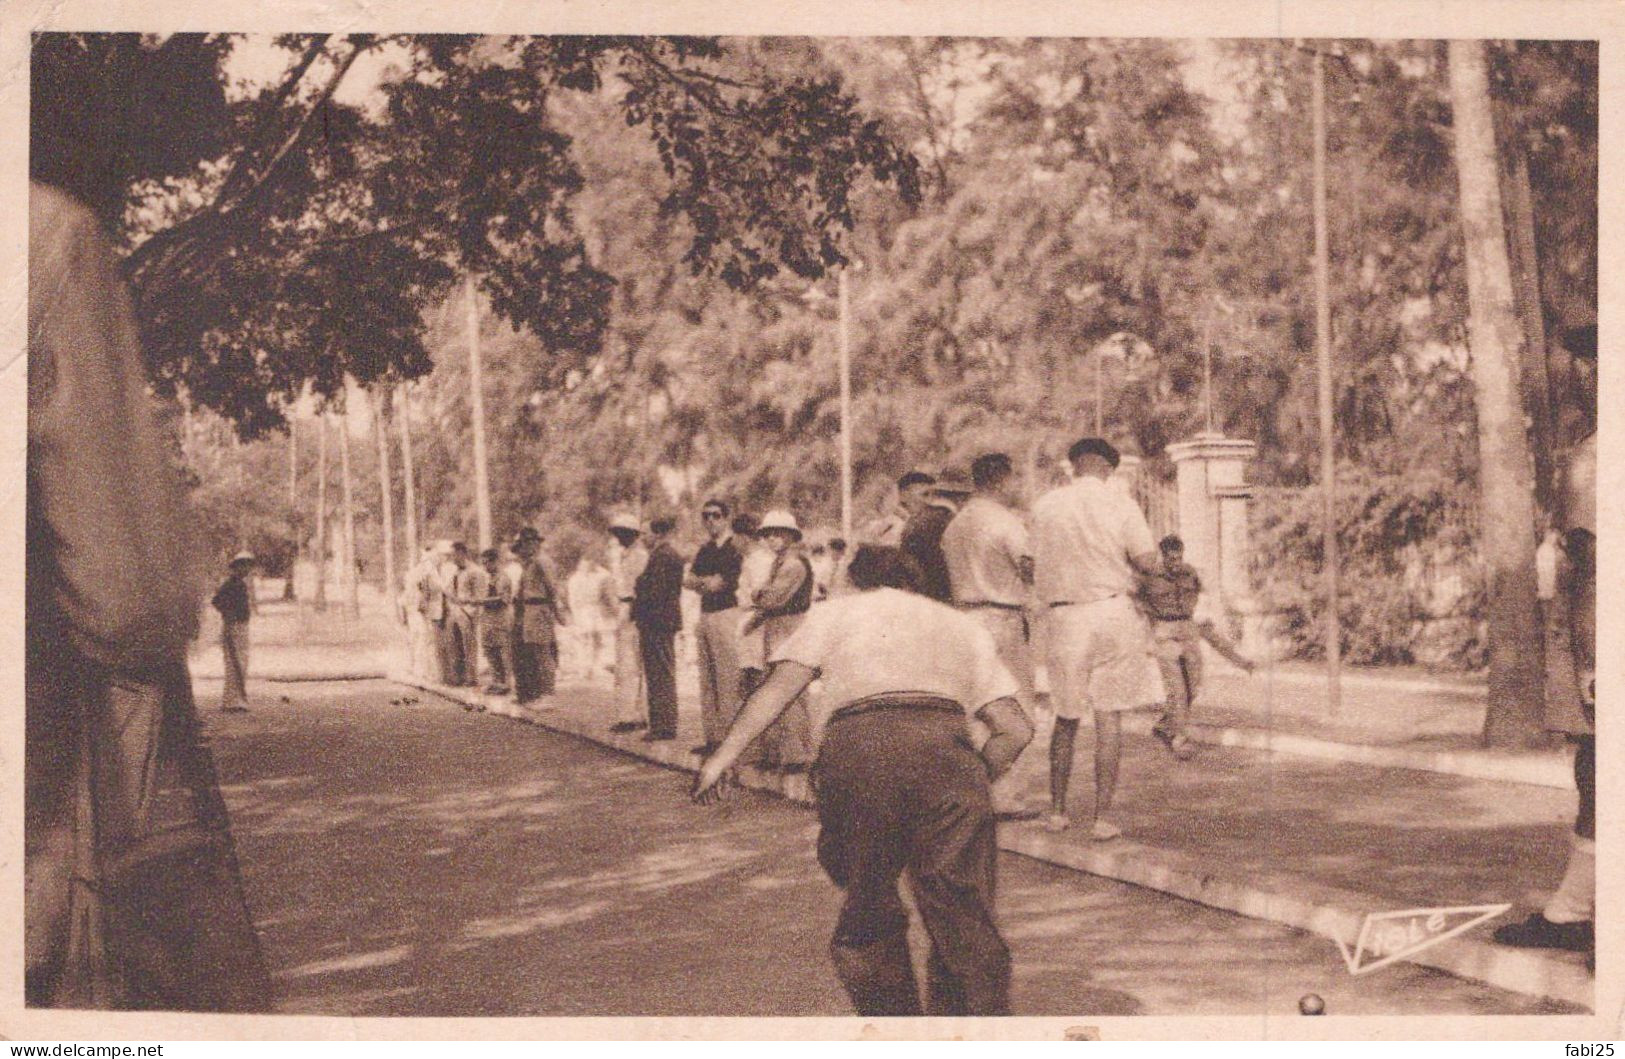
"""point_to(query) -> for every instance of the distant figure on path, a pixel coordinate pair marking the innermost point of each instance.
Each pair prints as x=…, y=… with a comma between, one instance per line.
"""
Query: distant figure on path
x=592, y=613
x=231, y=599
x=536, y=608
x=627, y=559
x=1170, y=595
x=778, y=609
x=496, y=621
x=714, y=574
x=466, y=596
x=435, y=585
x=657, y=611
x=421, y=629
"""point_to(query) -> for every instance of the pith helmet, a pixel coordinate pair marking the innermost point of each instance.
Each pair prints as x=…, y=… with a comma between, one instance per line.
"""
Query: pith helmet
x=780, y=520
x=625, y=522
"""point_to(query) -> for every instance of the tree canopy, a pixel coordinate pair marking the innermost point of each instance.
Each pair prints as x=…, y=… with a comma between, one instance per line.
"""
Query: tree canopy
x=288, y=239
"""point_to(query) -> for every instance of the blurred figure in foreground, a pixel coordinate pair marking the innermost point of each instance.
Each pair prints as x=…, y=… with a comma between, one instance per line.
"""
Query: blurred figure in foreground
x=132, y=895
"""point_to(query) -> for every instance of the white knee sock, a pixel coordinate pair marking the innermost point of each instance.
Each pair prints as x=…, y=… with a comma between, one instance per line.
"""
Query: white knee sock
x=1576, y=897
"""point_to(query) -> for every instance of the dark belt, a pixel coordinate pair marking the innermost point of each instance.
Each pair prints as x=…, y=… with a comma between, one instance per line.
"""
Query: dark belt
x=990, y=603
x=1174, y=621
x=536, y=601
x=1073, y=603
x=898, y=701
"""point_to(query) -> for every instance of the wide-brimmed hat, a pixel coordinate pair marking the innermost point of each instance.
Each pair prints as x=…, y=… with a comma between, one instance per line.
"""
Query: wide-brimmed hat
x=626, y=522
x=780, y=521
x=243, y=557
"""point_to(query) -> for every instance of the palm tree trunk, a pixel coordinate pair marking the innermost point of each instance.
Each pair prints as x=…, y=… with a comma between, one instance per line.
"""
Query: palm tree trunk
x=1505, y=473
x=386, y=490
x=349, y=580
x=409, y=477
x=321, y=512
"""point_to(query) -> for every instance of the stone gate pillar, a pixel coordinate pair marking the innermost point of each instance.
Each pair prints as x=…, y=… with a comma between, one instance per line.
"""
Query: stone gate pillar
x=1213, y=495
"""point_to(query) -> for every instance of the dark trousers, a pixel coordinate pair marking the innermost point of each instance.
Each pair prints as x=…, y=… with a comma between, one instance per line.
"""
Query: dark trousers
x=1585, y=781
x=903, y=791
x=658, y=646
x=445, y=651
x=464, y=660
x=535, y=666
x=497, y=643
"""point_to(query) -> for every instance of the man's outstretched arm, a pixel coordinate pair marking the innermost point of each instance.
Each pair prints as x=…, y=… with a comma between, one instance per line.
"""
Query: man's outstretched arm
x=783, y=684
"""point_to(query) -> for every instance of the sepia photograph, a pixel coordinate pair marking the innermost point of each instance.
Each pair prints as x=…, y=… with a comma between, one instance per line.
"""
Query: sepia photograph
x=709, y=526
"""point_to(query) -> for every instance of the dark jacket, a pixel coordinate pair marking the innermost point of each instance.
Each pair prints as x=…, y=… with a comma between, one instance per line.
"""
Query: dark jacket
x=658, y=591
x=922, y=541
x=722, y=560
x=231, y=600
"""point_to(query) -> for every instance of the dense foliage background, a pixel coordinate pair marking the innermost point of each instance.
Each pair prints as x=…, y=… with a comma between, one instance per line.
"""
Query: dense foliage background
x=654, y=223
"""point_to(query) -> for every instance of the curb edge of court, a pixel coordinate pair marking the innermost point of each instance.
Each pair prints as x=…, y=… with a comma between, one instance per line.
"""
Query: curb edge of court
x=1333, y=915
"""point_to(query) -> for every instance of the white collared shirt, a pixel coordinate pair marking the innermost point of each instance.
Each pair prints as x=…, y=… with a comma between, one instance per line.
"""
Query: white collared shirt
x=889, y=641
x=984, y=546
x=1083, y=535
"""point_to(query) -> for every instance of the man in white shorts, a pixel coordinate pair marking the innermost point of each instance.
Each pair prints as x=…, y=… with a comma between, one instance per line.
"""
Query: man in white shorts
x=1090, y=543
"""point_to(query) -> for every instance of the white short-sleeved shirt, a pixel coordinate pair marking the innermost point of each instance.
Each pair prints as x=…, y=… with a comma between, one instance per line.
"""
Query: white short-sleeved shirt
x=1083, y=535
x=889, y=641
x=754, y=570
x=984, y=546
x=1582, y=486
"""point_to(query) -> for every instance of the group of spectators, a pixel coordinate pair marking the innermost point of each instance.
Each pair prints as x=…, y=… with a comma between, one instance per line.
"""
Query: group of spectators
x=751, y=578
x=1121, y=612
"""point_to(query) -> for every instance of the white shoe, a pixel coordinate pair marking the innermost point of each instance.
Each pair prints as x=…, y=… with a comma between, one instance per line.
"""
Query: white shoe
x=1104, y=832
x=1055, y=822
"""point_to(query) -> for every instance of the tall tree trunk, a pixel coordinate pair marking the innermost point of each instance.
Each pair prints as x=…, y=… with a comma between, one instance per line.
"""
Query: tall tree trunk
x=386, y=490
x=321, y=512
x=288, y=590
x=1562, y=696
x=1506, y=485
x=1332, y=571
x=408, y=475
x=476, y=405
x=351, y=582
